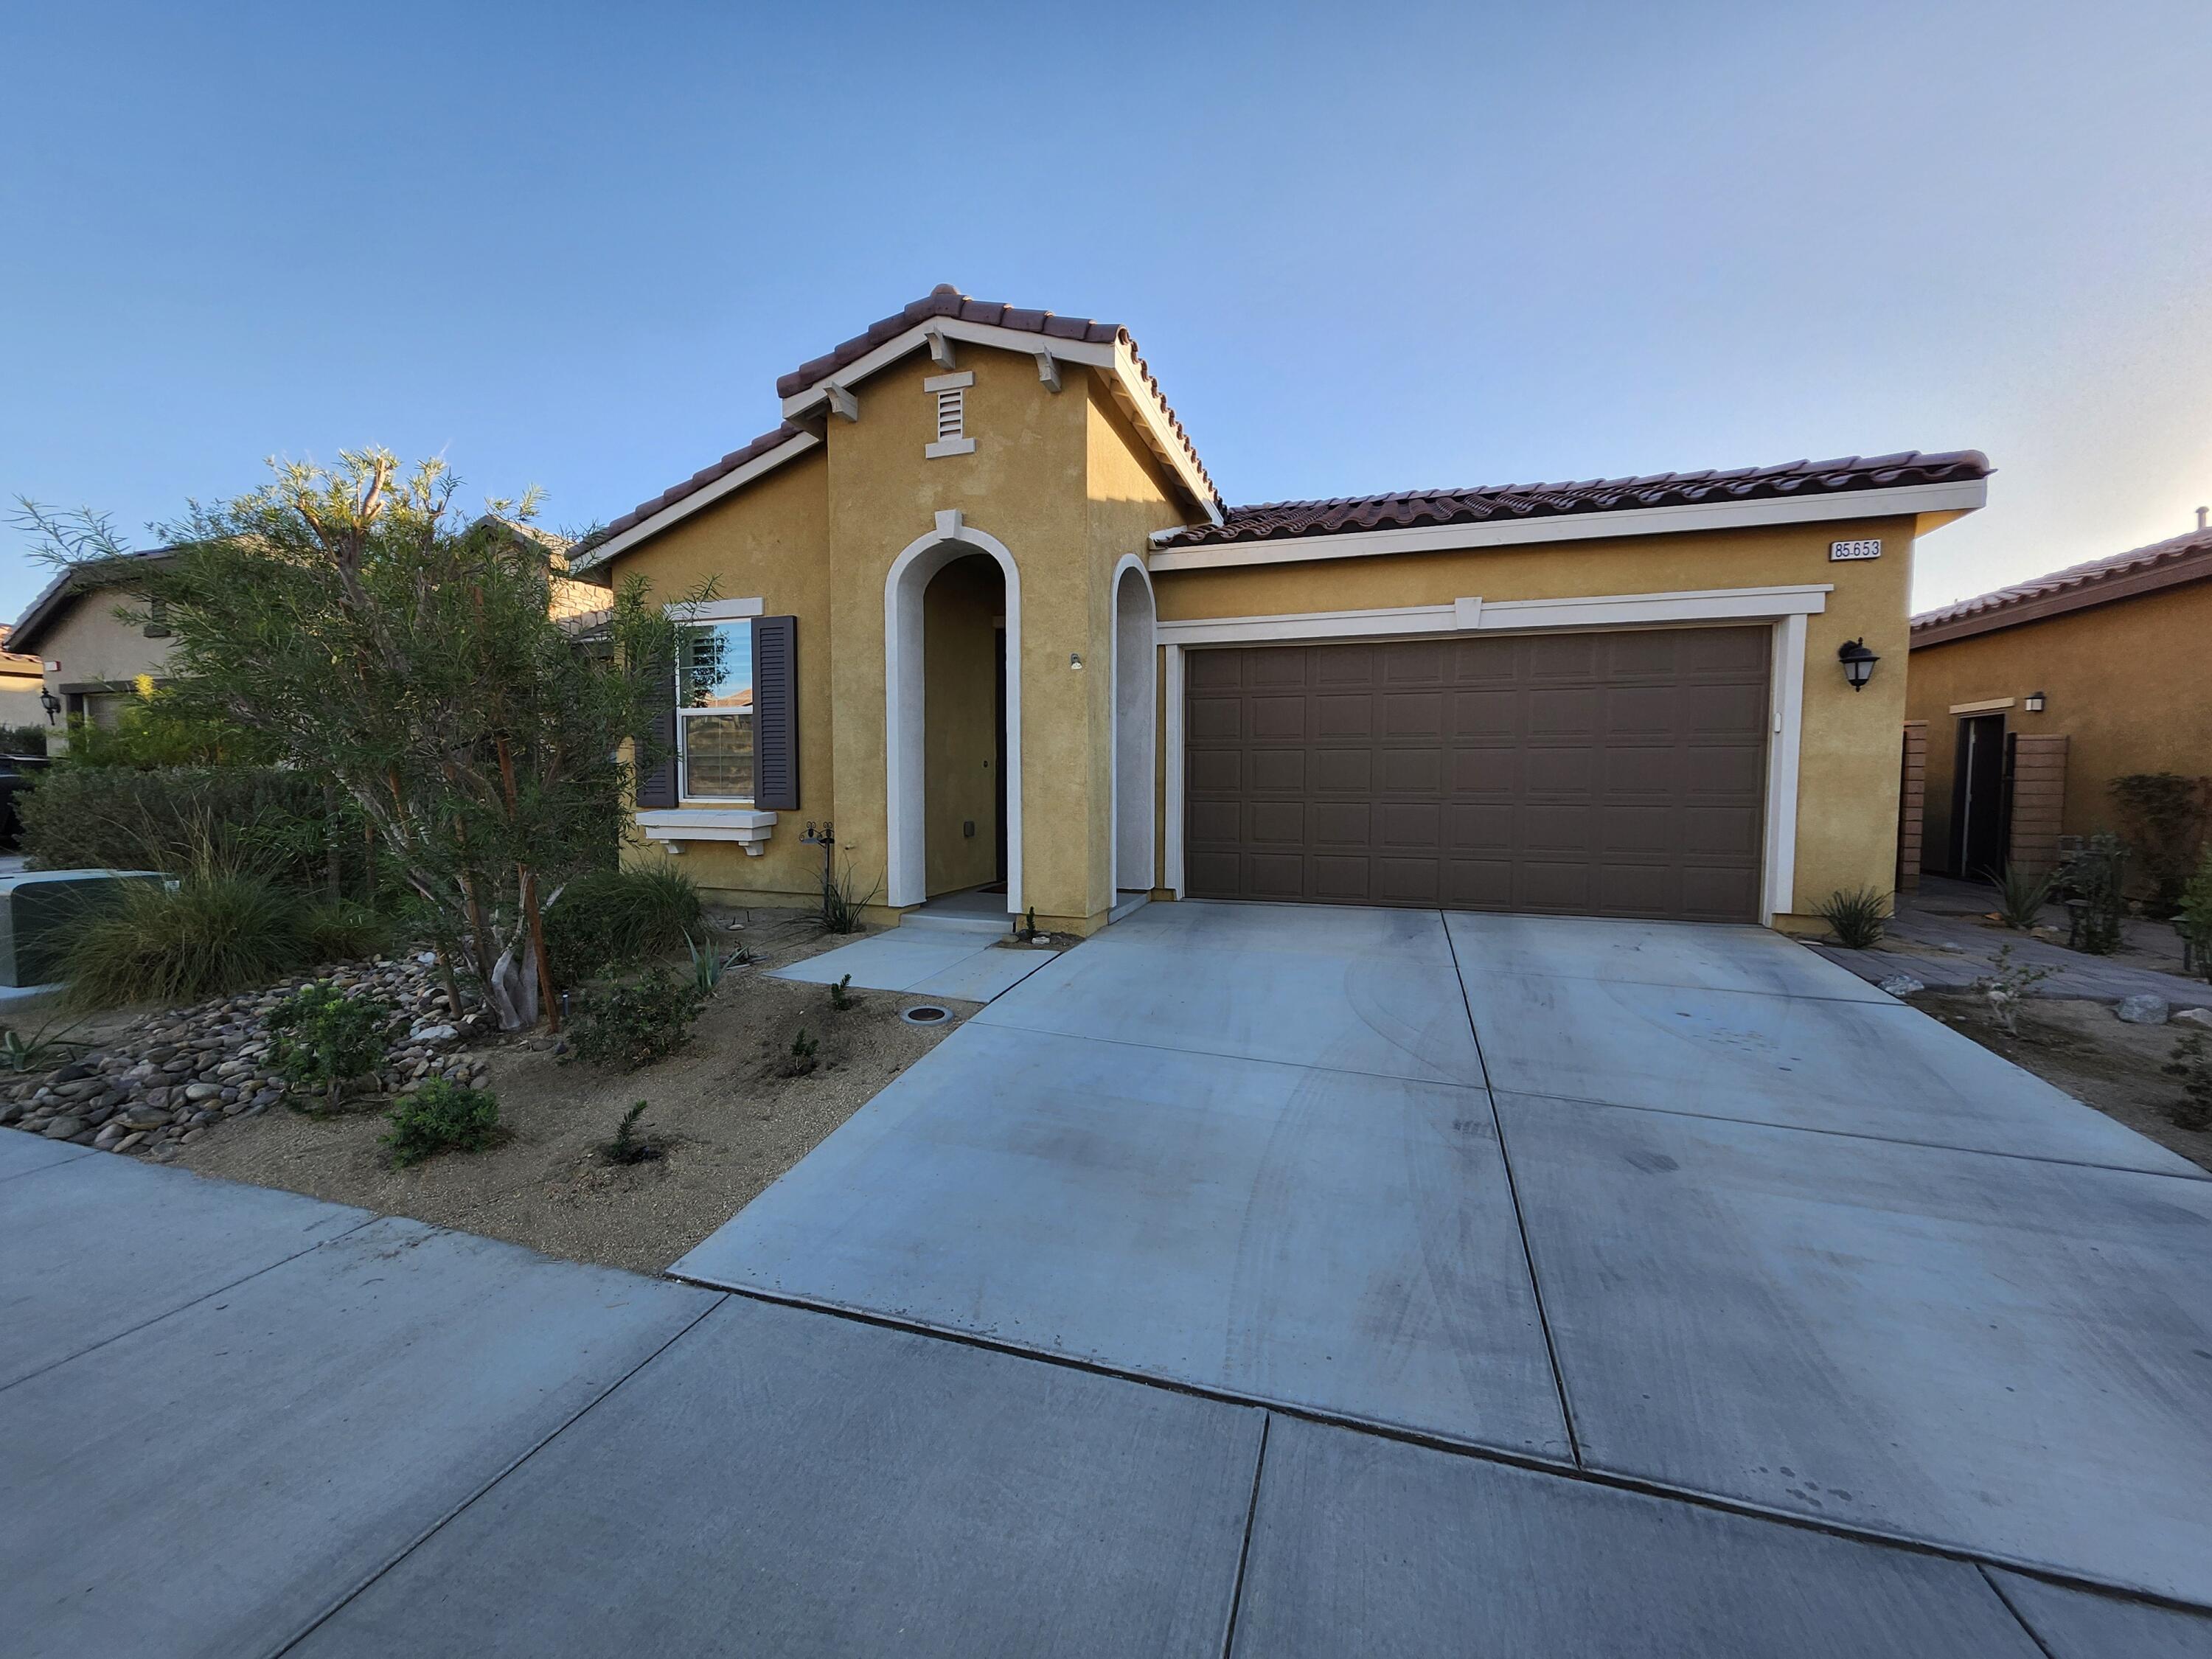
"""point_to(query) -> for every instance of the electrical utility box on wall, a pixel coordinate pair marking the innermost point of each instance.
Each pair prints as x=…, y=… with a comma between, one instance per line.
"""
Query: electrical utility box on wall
x=42, y=911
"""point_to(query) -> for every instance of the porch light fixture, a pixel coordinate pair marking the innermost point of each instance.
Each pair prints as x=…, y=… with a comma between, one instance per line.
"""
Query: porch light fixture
x=51, y=703
x=2033, y=703
x=1858, y=662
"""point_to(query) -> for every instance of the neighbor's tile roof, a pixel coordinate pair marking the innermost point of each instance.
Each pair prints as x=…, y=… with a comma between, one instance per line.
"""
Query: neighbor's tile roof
x=1275, y=520
x=93, y=574
x=2080, y=585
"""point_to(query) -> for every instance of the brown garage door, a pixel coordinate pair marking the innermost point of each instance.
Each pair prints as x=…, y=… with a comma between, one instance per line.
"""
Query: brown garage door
x=1616, y=774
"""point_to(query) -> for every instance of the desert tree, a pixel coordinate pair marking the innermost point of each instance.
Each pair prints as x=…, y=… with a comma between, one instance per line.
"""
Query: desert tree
x=354, y=618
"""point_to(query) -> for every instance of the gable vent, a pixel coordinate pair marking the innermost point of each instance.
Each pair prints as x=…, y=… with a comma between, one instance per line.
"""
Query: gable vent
x=951, y=392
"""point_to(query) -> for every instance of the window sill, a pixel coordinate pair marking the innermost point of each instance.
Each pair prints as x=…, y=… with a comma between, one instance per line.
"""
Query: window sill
x=673, y=827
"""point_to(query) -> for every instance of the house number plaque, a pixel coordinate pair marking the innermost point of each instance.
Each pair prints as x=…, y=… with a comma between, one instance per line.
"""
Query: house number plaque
x=1840, y=550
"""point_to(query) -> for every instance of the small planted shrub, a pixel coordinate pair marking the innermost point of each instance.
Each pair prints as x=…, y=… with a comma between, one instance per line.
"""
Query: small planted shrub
x=2163, y=815
x=441, y=1116
x=35, y=1051
x=2006, y=985
x=629, y=1147
x=2097, y=876
x=2195, y=920
x=2194, y=1067
x=1856, y=918
x=612, y=918
x=208, y=934
x=841, y=998
x=709, y=964
x=2020, y=898
x=801, y=1058
x=631, y=1025
x=324, y=1039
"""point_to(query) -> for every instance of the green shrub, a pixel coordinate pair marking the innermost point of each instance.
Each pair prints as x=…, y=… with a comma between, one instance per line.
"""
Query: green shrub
x=634, y=1024
x=22, y=740
x=441, y=1116
x=609, y=919
x=629, y=1147
x=2022, y=896
x=2194, y=1067
x=202, y=936
x=80, y=817
x=2162, y=814
x=325, y=1039
x=1856, y=917
x=2196, y=915
x=345, y=930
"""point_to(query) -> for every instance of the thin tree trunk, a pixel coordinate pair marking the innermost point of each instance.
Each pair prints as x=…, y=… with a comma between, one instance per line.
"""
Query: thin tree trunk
x=332, y=878
x=526, y=881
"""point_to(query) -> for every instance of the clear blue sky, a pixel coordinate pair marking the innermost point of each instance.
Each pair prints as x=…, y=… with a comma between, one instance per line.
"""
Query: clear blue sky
x=1367, y=246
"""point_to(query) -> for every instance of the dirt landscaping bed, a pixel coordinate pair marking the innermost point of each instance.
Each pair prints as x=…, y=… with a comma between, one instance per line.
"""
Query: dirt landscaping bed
x=723, y=1116
x=2082, y=1047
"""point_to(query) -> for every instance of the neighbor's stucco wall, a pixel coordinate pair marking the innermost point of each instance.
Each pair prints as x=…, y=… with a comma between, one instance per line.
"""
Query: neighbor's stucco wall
x=2126, y=683
x=768, y=541
x=961, y=614
x=1847, y=796
x=94, y=645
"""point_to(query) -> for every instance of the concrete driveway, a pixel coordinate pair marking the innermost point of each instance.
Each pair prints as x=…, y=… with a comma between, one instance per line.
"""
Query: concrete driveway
x=1783, y=1381
x=1683, y=1206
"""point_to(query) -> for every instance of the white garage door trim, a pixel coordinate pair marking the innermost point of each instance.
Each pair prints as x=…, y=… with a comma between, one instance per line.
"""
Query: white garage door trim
x=1784, y=608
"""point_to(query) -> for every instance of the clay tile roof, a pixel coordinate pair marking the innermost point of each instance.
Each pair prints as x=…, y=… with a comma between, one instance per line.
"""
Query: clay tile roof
x=2182, y=558
x=946, y=301
x=1275, y=520
x=699, y=480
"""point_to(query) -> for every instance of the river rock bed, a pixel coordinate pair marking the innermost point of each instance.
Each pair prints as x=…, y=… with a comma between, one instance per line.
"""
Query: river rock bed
x=169, y=1078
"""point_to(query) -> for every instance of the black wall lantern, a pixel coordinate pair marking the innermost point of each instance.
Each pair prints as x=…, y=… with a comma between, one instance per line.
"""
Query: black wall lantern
x=51, y=704
x=2034, y=704
x=1858, y=662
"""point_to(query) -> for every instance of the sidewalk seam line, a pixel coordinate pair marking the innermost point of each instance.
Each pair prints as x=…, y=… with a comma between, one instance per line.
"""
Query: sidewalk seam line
x=1244, y=1551
x=2019, y=1618
x=337, y=1606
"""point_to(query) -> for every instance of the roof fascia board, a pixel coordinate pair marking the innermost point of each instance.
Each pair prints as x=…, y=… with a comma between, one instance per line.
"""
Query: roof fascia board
x=798, y=444
x=1114, y=357
x=1962, y=496
x=2132, y=584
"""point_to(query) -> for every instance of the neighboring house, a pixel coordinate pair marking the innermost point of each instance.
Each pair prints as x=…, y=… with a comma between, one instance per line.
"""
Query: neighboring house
x=92, y=657
x=2032, y=699
x=978, y=604
x=21, y=679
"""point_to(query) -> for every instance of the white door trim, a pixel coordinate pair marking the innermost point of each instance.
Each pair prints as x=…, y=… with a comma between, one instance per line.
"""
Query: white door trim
x=1141, y=871
x=1784, y=608
x=906, y=867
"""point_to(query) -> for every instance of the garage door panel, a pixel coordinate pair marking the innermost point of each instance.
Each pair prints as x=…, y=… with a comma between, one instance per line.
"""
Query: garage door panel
x=1413, y=715
x=1275, y=823
x=1342, y=824
x=1278, y=718
x=1410, y=771
x=1277, y=771
x=1408, y=881
x=1343, y=771
x=1609, y=773
x=1342, y=880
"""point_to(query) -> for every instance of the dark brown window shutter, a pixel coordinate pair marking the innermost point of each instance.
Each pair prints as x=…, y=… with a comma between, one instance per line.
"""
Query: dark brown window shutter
x=776, y=714
x=656, y=773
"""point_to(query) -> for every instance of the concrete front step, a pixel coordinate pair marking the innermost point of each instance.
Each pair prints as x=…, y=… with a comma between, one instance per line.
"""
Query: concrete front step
x=989, y=927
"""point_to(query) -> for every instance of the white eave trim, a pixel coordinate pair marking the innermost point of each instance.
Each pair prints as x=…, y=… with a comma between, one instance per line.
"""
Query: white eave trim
x=800, y=443
x=1960, y=496
x=1136, y=397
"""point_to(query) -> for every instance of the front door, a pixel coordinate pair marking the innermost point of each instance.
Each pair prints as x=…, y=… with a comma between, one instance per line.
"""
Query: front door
x=1978, y=815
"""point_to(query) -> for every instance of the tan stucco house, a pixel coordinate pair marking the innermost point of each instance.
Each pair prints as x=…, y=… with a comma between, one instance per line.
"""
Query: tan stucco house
x=2034, y=698
x=977, y=602
x=92, y=657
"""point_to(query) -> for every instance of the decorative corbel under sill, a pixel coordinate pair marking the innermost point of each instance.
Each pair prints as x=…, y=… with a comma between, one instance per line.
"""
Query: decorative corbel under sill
x=675, y=827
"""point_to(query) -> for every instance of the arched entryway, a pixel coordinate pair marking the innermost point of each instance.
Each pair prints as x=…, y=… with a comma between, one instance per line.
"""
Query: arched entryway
x=952, y=717
x=1135, y=720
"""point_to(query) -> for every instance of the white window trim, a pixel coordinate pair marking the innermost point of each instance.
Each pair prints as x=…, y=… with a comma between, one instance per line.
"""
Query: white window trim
x=713, y=611
x=1988, y=705
x=702, y=613
x=1785, y=608
x=672, y=827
